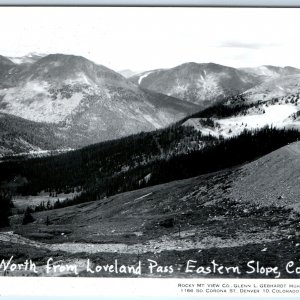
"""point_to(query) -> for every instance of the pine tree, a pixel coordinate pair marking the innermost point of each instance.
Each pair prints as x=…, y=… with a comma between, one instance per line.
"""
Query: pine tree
x=48, y=204
x=5, y=208
x=28, y=218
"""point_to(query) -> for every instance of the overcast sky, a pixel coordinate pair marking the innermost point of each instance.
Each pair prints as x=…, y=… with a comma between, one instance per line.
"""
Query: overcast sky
x=148, y=38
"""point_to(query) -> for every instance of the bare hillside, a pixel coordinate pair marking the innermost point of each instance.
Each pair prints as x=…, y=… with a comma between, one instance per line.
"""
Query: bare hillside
x=271, y=180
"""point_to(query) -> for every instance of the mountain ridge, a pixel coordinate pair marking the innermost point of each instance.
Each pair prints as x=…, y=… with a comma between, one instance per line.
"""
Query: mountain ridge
x=200, y=83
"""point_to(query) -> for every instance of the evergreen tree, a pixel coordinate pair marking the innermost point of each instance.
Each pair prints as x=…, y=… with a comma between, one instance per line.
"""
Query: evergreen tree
x=48, y=204
x=27, y=218
x=5, y=208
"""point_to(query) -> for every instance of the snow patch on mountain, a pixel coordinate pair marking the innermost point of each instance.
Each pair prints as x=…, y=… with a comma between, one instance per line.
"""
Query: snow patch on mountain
x=144, y=76
x=278, y=116
x=27, y=59
x=209, y=87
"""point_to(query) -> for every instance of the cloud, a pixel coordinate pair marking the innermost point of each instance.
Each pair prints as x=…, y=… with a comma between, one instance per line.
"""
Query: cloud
x=247, y=45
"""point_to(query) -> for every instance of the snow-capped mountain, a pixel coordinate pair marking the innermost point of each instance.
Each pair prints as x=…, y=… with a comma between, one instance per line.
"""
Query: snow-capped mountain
x=86, y=103
x=202, y=84
x=27, y=59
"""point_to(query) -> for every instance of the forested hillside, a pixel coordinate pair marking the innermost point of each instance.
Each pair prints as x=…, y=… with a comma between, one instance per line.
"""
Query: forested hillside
x=140, y=160
x=93, y=163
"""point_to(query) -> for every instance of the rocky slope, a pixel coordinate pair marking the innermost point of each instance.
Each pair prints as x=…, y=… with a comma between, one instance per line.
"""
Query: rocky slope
x=271, y=180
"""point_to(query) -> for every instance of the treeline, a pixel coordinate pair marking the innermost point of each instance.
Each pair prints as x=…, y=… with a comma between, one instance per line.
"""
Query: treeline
x=249, y=145
x=225, y=154
x=101, y=162
x=42, y=206
x=223, y=111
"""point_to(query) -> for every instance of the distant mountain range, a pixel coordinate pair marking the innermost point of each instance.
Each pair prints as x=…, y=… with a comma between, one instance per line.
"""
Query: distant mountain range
x=57, y=101
x=271, y=72
x=206, y=84
x=79, y=102
x=127, y=73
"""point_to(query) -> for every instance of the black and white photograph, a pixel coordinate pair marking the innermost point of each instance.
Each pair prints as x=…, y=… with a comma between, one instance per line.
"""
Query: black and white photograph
x=150, y=142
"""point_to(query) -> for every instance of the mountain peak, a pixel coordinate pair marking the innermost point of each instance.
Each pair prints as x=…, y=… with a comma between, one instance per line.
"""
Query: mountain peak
x=199, y=83
x=59, y=68
x=64, y=59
